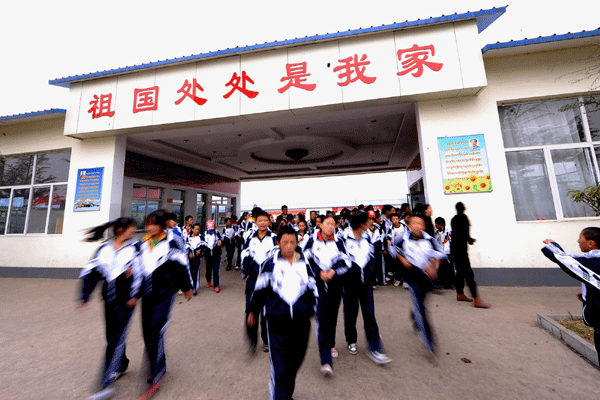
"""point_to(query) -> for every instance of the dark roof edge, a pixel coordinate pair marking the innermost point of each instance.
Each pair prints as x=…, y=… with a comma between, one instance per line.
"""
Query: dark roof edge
x=540, y=39
x=484, y=19
x=33, y=114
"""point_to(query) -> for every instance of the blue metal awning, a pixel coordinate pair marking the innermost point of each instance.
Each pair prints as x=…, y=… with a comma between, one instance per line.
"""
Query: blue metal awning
x=483, y=18
x=31, y=114
x=541, y=39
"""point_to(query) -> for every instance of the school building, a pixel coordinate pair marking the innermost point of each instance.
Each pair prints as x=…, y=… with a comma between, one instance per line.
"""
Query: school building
x=485, y=126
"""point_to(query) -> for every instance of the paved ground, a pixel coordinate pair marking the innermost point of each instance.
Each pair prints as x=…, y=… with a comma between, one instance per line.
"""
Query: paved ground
x=52, y=351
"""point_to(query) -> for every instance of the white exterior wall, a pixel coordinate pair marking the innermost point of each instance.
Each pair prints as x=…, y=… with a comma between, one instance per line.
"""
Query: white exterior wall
x=501, y=240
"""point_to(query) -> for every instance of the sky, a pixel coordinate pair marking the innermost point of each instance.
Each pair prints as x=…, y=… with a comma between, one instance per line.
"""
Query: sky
x=43, y=40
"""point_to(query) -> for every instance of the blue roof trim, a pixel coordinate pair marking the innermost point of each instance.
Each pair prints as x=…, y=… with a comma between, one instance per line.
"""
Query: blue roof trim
x=541, y=39
x=483, y=17
x=33, y=114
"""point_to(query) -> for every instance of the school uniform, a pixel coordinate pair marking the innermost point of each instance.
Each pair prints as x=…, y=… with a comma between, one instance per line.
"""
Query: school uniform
x=394, y=268
x=287, y=294
x=255, y=252
x=446, y=272
x=113, y=267
x=229, y=243
x=419, y=252
x=165, y=269
x=377, y=238
x=323, y=256
x=177, y=235
x=195, y=247
x=585, y=267
x=303, y=240
x=359, y=290
x=212, y=255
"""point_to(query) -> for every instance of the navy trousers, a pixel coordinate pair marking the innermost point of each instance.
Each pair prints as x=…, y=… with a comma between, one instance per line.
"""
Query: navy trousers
x=213, y=269
x=155, y=317
x=356, y=292
x=328, y=306
x=252, y=331
x=117, y=317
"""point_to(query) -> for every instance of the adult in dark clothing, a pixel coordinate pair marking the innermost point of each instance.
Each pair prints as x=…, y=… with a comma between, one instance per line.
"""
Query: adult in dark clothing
x=461, y=238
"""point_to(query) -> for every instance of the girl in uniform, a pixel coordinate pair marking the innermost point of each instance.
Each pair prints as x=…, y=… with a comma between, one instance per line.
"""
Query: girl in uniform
x=194, y=250
x=303, y=235
x=116, y=263
x=211, y=241
x=165, y=269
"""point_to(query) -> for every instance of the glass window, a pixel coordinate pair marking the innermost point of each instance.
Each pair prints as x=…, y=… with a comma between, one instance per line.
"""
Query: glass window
x=540, y=123
x=179, y=205
x=145, y=201
x=4, y=202
x=16, y=170
x=39, y=210
x=18, y=211
x=138, y=213
x=57, y=212
x=561, y=156
x=530, y=185
x=52, y=167
x=200, y=204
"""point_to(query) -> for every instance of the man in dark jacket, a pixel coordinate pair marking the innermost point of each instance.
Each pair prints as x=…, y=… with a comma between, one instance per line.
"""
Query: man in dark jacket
x=461, y=238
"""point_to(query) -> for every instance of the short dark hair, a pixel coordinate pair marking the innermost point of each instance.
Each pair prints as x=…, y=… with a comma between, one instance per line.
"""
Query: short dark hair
x=197, y=225
x=361, y=207
x=262, y=213
x=440, y=221
x=227, y=219
x=188, y=217
x=170, y=216
x=404, y=206
x=157, y=217
x=592, y=233
x=460, y=207
x=386, y=208
x=286, y=230
x=357, y=220
x=283, y=206
x=290, y=217
x=394, y=215
x=255, y=211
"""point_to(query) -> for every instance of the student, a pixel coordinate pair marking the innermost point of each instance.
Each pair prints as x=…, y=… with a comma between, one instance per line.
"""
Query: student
x=394, y=268
x=443, y=236
x=212, y=242
x=461, y=238
x=287, y=291
x=376, y=238
x=187, y=229
x=585, y=267
x=329, y=262
x=194, y=250
x=165, y=269
x=257, y=249
x=243, y=226
x=417, y=251
x=173, y=231
x=359, y=290
x=303, y=235
x=229, y=241
x=312, y=222
x=116, y=263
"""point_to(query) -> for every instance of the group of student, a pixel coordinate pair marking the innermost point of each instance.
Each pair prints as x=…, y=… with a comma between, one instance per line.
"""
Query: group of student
x=293, y=268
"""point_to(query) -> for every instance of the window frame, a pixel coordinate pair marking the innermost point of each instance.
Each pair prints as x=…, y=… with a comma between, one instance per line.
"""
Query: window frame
x=32, y=186
x=547, y=151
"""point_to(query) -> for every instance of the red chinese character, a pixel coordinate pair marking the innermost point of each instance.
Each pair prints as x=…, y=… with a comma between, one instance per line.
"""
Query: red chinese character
x=145, y=99
x=352, y=65
x=185, y=89
x=415, y=58
x=101, y=106
x=234, y=82
x=296, y=74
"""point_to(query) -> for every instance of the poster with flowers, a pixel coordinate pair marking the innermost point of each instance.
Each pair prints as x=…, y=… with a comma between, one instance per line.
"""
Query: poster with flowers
x=465, y=167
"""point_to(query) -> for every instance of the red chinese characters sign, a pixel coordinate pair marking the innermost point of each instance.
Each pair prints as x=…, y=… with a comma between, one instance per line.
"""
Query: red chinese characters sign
x=349, y=70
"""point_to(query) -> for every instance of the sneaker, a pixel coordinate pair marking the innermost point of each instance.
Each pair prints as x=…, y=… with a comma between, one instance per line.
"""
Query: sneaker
x=326, y=370
x=405, y=285
x=195, y=293
x=105, y=393
x=379, y=358
x=208, y=285
x=334, y=353
x=352, y=349
x=237, y=268
x=397, y=283
x=180, y=292
x=217, y=290
x=265, y=348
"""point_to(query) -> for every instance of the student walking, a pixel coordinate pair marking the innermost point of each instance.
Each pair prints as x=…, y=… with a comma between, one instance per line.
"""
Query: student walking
x=328, y=259
x=461, y=238
x=287, y=291
x=165, y=269
x=359, y=290
x=417, y=251
x=211, y=243
x=229, y=241
x=195, y=247
x=443, y=236
x=116, y=263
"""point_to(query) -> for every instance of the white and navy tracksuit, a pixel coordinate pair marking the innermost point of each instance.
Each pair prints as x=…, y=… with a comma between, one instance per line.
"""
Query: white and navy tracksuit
x=177, y=235
x=358, y=289
x=323, y=256
x=195, y=247
x=393, y=266
x=377, y=238
x=121, y=272
x=585, y=267
x=303, y=240
x=165, y=269
x=212, y=255
x=419, y=251
x=229, y=243
x=287, y=293
x=446, y=274
x=255, y=252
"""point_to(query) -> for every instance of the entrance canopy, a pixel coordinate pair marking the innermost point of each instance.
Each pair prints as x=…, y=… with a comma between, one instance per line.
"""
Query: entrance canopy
x=327, y=104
